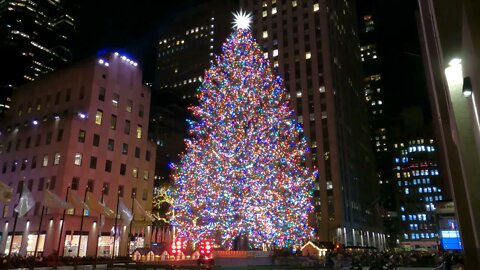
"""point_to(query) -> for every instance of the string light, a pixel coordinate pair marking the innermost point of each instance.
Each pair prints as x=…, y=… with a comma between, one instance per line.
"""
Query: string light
x=242, y=173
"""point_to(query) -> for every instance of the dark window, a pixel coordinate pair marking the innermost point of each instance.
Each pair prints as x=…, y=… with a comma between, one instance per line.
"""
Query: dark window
x=27, y=143
x=147, y=155
x=51, y=186
x=125, y=148
x=20, y=186
x=145, y=195
x=67, y=96
x=101, y=94
x=111, y=144
x=113, y=122
x=108, y=166
x=17, y=146
x=14, y=165
x=123, y=169
x=57, y=98
x=60, y=135
x=41, y=183
x=4, y=167
x=93, y=162
x=34, y=162
x=96, y=140
x=137, y=152
x=30, y=184
x=126, y=128
x=120, y=190
x=134, y=192
x=106, y=188
x=91, y=185
x=140, y=111
x=49, y=137
x=81, y=135
x=24, y=164
x=75, y=183
x=37, y=140
x=9, y=146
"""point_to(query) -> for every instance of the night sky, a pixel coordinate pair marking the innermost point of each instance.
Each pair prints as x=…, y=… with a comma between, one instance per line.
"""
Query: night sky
x=133, y=27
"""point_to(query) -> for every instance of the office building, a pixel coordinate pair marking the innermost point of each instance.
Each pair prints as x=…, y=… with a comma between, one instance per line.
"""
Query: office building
x=371, y=56
x=451, y=49
x=314, y=46
x=419, y=187
x=35, y=38
x=79, y=129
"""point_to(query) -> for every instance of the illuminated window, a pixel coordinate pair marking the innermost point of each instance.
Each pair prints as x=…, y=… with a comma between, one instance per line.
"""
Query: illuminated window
x=308, y=55
x=274, y=10
x=98, y=117
x=264, y=13
x=316, y=7
x=139, y=132
x=115, y=100
x=129, y=105
x=275, y=52
x=135, y=172
x=56, y=160
x=45, y=161
x=78, y=159
x=113, y=122
x=265, y=34
x=145, y=175
x=294, y=3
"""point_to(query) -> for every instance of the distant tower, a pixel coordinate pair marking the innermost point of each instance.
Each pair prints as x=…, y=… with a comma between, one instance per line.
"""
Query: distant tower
x=35, y=38
x=315, y=46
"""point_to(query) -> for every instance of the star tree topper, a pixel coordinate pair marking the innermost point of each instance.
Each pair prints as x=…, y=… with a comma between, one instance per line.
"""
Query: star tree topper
x=242, y=20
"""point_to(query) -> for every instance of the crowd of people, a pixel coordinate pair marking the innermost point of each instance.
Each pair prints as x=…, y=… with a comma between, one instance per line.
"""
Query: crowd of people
x=393, y=259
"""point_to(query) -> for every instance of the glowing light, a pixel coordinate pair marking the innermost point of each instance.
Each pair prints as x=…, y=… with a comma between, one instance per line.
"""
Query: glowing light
x=82, y=115
x=242, y=20
x=455, y=61
x=35, y=122
x=241, y=173
x=101, y=61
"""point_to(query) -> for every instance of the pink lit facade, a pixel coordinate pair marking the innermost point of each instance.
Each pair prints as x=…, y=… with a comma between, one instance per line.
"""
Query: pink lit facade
x=91, y=131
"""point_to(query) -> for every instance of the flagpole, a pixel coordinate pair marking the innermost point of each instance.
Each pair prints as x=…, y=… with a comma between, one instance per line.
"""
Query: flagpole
x=81, y=223
x=99, y=230
x=38, y=235
x=115, y=227
x=15, y=222
x=61, y=229
x=131, y=222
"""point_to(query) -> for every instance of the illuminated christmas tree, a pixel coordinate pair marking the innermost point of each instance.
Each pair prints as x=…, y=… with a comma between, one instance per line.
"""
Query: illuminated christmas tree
x=242, y=173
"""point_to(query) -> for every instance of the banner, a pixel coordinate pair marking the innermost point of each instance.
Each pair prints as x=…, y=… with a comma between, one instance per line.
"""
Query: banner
x=26, y=202
x=51, y=200
x=96, y=206
x=125, y=212
x=74, y=200
x=6, y=192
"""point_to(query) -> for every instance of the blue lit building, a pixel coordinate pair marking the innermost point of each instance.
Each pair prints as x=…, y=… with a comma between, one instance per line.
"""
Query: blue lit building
x=419, y=187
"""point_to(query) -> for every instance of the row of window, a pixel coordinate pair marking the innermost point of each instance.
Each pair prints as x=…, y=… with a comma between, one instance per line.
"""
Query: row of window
x=78, y=159
x=116, y=101
x=57, y=100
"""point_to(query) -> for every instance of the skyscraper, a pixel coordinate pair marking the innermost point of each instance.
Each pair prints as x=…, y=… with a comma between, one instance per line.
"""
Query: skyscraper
x=419, y=185
x=315, y=47
x=451, y=49
x=35, y=38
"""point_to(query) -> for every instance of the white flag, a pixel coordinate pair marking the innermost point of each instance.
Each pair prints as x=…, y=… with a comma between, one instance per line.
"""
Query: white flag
x=126, y=214
x=51, y=200
x=138, y=208
x=26, y=202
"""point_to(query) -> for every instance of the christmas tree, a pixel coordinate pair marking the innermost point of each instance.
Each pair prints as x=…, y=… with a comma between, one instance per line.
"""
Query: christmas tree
x=242, y=173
